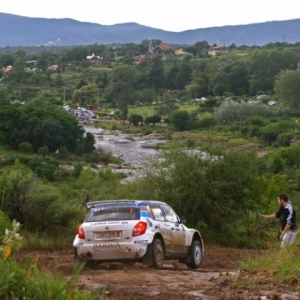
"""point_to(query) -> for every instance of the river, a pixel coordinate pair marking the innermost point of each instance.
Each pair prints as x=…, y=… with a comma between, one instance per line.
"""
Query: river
x=123, y=145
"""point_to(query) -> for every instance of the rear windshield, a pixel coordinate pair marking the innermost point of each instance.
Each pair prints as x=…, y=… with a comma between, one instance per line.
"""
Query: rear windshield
x=115, y=212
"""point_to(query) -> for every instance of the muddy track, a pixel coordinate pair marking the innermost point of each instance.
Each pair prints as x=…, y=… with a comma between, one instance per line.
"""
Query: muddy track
x=216, y=279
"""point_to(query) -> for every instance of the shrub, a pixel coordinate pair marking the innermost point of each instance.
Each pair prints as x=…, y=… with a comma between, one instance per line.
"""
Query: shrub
x=231, y=111
x=4, y=223
x=206, y=122
x=135, y=119
x=26, y=281
x=276, y=163
x=222, y=181
x=180, y=119
x=273, y=131
x=26, y=147
x=291, y=155
x=153, y=119
x=284, y=139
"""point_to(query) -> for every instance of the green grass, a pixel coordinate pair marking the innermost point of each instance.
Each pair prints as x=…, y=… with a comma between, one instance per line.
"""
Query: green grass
x=26, y=281
x=281, y=267
x=44, y=241
x=144, y=111
x=150, y=110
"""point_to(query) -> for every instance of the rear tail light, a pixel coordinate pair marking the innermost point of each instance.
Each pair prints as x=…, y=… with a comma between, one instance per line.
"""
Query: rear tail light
x=139, y=228
x=80, y=233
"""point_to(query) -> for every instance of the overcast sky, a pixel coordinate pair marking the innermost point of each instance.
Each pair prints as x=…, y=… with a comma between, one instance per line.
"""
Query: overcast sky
x=172, y=15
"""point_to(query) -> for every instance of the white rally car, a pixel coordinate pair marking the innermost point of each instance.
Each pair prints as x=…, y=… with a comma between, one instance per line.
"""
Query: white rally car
x=147, y=231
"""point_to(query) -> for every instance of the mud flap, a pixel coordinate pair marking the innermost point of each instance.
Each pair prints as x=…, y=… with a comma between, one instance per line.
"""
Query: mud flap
x=147, y=259
x=187, y=260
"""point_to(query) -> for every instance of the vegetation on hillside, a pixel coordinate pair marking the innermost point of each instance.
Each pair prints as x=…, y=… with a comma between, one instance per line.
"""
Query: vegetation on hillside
x=232, y=123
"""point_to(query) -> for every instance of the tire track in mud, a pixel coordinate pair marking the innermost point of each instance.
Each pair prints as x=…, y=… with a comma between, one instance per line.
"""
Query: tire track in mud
x=216, y=279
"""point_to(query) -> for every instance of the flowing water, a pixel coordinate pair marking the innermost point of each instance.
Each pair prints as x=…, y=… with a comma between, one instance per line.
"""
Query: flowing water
x=123, y=145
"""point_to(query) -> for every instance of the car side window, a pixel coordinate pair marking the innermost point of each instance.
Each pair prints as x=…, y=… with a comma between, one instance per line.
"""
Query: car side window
x=170, y=215
x=158, y=214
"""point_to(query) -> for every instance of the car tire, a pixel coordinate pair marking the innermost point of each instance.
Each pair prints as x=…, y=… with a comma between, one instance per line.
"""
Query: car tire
x=196, y=255
x=158, y=254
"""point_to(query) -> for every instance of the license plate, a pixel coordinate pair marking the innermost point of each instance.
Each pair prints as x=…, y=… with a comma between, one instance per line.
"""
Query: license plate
x=108, y=234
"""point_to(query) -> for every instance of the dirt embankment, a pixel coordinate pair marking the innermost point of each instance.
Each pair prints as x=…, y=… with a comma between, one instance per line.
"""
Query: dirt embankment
x=216, y=279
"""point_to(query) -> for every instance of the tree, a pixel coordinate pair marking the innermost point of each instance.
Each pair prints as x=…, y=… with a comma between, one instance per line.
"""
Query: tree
x=58, y=81
x=287, y=88
x=135, y=119
x=15, y=139
x=153, y=119
x=121, y=88
x=265, y=65
x=239, y=84
x=184, y=76
x=171, y=78
x=193, y=90
x=19, y=74
x=4, y=94
x=15, y=184
x=86, y=94
x=89, y=143
x=223, y=181
x=156, y=74
x=48, y=132
x=26, y=147
x=147, y=96
x=180, y=119
x=81, y=83
x=43, y=151
x=276, y=163
x=164, y=110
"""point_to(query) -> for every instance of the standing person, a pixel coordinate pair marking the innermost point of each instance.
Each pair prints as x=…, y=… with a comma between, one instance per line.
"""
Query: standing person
x=287, y=216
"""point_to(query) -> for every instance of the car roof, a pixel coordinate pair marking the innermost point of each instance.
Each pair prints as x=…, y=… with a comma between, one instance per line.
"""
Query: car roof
x=90, y=205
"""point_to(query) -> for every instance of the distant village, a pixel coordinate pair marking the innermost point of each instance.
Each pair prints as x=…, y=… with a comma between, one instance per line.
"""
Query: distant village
x=97, y=61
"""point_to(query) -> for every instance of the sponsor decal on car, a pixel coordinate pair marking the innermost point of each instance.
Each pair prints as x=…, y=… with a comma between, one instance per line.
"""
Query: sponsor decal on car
x=106, y=247
x=108, y=223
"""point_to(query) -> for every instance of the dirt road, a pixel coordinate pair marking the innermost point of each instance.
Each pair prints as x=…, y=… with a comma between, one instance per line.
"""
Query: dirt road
x=216, y=279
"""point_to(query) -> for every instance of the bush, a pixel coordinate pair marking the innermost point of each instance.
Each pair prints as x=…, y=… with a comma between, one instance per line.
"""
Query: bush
x=231, y=111
x=276, y=163
x=221, y=181
x=5, y=223
x=26, y=281
x=284, y=139
x=180, y=119
x=153, y=119
x=279, y=130
x=205, y=122
x=291, y=156
x=26, y=147
x=135, y=119
x=15, y=283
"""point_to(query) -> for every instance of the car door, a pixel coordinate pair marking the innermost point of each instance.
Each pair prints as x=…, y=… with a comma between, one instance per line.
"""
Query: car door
x=162, y=226
x=178, y=243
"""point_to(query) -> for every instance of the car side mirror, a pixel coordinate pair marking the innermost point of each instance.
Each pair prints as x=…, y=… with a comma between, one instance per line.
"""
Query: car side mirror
x=183, y=222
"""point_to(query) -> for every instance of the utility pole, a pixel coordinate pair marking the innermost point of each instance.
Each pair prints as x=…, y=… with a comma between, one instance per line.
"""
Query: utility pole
x=64, y=95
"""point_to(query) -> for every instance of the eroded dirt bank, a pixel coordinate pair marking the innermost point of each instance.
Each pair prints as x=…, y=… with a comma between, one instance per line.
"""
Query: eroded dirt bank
x=216, y=279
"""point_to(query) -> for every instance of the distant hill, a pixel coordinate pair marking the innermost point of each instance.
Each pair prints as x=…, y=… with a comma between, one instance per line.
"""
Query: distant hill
x=25, y=31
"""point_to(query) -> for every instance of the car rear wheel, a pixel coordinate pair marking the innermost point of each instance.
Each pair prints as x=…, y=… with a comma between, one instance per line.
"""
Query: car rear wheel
x=158, y=254
x=195, y=255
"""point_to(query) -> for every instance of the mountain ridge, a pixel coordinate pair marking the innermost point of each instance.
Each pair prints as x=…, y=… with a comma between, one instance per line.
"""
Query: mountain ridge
x=27, y=31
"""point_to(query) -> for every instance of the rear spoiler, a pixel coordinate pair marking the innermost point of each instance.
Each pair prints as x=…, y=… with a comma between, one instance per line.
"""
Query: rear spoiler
x=90, y=205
